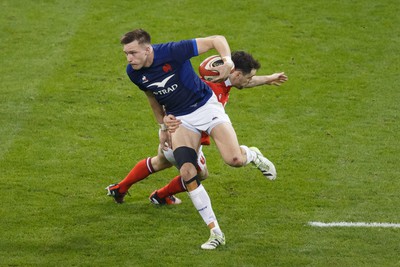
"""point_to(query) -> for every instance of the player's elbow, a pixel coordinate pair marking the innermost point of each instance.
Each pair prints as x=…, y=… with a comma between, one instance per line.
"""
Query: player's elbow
x=210, y=42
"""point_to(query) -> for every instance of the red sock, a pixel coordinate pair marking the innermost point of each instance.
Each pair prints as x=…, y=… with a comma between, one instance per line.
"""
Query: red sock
x=175, y=186
x=141, y=170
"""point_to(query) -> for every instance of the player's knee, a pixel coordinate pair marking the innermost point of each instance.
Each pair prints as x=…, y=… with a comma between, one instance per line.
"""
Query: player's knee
x=186, y=159
x=187, y=171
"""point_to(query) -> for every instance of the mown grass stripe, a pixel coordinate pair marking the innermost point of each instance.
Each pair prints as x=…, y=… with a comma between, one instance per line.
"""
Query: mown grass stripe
x=355, y=224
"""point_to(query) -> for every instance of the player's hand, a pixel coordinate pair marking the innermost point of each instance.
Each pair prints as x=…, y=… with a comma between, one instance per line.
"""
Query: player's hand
x=224, y=71
x=165, y=140
x=277, y=78
x=172, y=123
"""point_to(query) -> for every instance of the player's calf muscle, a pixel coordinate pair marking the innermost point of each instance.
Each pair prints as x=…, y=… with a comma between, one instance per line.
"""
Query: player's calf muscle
x=160, y=163
x=235, y=161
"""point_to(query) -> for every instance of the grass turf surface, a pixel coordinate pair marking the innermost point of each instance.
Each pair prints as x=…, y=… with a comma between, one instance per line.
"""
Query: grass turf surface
x=72, y=122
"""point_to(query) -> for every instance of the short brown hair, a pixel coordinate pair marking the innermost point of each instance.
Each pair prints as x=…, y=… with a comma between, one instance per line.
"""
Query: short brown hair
x=139, y=35
x=244, y=62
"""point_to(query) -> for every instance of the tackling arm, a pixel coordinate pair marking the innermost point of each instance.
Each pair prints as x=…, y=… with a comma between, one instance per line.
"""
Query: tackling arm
x=273, y=79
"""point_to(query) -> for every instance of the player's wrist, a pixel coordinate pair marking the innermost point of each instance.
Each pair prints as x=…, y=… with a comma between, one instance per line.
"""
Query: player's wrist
x=228, y=60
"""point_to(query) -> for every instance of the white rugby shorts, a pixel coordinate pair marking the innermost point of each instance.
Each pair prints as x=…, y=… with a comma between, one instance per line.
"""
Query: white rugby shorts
x=206, y=117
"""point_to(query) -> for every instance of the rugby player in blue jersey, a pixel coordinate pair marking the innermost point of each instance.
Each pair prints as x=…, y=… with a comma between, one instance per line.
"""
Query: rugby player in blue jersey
x=165, y=74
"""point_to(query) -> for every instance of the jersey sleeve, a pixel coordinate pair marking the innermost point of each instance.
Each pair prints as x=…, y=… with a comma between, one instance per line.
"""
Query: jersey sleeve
x=184, y=50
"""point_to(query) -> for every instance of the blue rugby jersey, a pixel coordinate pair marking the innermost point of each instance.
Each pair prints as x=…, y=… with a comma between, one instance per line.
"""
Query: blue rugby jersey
x=172, y=79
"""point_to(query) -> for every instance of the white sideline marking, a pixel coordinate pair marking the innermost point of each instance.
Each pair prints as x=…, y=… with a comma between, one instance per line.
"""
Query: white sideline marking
x=355, y=224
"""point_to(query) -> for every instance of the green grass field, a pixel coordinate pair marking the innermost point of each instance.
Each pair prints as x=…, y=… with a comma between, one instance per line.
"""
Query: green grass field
x=72, y=123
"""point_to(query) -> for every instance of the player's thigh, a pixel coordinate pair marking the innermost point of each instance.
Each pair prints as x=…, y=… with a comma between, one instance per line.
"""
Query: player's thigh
x=225, y=138
x=185, y=137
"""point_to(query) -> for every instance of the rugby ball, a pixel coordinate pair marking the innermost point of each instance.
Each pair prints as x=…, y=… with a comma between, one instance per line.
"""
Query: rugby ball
x=205, y=68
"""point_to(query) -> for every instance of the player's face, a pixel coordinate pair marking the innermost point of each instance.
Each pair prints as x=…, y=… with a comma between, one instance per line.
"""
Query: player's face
x=242, y=80
x=137, y=54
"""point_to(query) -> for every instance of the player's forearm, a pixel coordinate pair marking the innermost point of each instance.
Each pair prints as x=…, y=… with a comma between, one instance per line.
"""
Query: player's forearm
x=222, y=47
x=259, y=80
x=273, y=79
x=158, y=110
x=158, y=113
x=217, y=42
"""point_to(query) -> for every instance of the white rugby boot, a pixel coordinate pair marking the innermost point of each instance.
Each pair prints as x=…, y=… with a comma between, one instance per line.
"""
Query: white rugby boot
x=264, y=165
x=214, y=241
